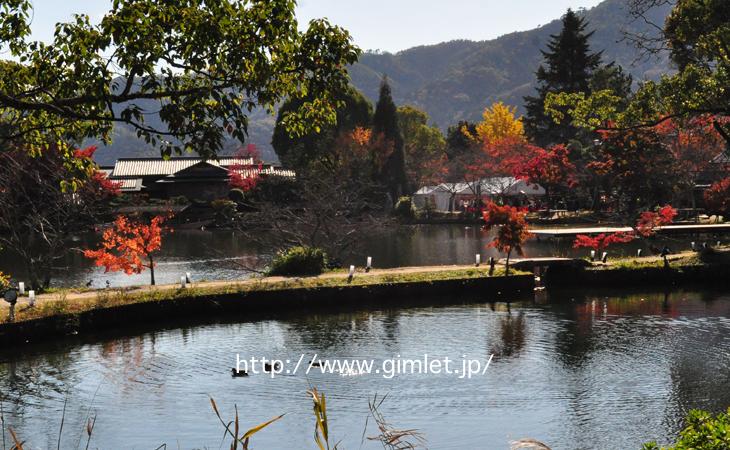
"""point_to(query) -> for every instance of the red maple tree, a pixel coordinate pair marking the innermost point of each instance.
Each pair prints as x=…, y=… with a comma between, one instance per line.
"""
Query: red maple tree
x=645, y=227
x=246, y=176
x=602, y=241
x=512, y=229
x=717, y=197
x=551, y=168
x=129, y=246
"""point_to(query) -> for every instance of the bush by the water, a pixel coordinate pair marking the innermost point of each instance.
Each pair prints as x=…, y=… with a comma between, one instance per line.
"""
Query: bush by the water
x=703, y=432
x=299, y=261
x=404, y=209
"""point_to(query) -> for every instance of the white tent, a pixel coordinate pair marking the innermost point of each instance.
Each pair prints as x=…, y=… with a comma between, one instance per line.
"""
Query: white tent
x=439, y=197
x=502, y=186
x=444, y=196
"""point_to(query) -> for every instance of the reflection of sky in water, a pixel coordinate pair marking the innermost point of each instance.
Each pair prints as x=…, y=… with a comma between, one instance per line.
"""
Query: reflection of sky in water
x=577, y=371
x=225, y=255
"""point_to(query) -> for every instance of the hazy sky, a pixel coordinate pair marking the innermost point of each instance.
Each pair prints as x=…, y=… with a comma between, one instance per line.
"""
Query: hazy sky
x=390, y=25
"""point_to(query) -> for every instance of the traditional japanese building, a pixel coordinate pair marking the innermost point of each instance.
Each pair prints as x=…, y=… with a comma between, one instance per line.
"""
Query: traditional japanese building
x=191, y=177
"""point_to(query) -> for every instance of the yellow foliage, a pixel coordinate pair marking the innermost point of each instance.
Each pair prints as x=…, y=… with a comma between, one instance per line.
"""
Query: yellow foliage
x=499, y=122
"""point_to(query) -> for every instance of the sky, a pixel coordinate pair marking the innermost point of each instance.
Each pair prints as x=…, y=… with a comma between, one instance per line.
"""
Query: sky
x=386, y=25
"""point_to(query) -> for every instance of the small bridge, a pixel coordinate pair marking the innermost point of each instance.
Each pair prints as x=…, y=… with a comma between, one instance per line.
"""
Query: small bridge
x=677, y=229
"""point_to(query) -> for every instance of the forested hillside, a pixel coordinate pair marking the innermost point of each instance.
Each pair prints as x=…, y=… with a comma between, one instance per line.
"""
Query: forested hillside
x=455, y=80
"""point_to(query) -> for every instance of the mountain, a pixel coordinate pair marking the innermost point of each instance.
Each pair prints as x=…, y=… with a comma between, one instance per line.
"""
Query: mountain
x=456, y=80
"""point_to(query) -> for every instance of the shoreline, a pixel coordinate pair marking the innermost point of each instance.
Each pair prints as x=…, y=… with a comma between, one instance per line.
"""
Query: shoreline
x=61, y=314
x=67, y=313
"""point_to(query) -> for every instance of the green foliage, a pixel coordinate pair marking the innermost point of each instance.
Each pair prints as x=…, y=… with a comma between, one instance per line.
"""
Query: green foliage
x=457, y=142
x=385, y=126
x=703, y=432
x=299, y=261
x=225, y=210
x=424, y=145
x=404, y=208
x=698, y=35
x=299, y=151
x=203, y=64
x=569, y=68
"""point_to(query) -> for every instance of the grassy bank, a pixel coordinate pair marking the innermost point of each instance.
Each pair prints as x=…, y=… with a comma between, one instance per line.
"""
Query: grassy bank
x=708, y=267
x=67, y=311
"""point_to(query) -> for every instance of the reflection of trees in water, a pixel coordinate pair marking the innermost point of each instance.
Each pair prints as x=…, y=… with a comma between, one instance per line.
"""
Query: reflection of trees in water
x=331, y=331
x=700, y=365
x=45, y=376
x=574, y=339
x=512, y=329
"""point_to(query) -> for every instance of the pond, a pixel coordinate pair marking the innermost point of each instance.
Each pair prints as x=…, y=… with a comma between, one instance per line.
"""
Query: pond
x=599, y=370
x=226, y=255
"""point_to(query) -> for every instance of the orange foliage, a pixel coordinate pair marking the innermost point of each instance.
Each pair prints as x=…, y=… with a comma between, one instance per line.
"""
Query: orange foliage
x=512, y=229
x=127, y=244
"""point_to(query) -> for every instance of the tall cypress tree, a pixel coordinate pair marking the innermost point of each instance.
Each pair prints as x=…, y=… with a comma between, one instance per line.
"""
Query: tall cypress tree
x=385, y=124
x=569, y=68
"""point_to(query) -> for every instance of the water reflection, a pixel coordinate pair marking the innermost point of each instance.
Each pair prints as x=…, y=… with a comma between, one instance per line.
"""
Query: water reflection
x=572, y=369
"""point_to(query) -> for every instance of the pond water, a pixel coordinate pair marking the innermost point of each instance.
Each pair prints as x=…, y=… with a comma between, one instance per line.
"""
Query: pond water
x=226, y=255
x=578, y=371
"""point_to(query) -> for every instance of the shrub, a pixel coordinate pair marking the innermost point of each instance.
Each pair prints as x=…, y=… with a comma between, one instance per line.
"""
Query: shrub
x=299, y=261
x=225, y=210
x=703, y=432
x=236, y=195
x=404, y=208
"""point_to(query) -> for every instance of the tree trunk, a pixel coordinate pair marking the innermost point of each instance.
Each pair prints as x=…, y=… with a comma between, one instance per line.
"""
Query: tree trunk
x=506, y=266
x=152, y=270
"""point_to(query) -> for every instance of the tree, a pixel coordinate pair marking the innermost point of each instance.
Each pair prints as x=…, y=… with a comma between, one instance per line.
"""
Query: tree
x=499, y=122
x=640, y=169
x=127, y=244
x=386, y=127
x=569, y=68
x=203, y=64
x=458, y=138
x=552, y=169
x=45, y=201
x=245, y=177
x=697, y=34
x=645, y=227
x=602, y=240
x=717, y=197
x=336, y=209
x=692, y=144
x=298, y=152
x=424, y=147
x=512, y=230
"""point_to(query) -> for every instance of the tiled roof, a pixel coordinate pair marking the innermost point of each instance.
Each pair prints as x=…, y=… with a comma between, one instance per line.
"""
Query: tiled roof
x=129, y=184
x=140, y=167
x=249, y=172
